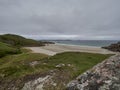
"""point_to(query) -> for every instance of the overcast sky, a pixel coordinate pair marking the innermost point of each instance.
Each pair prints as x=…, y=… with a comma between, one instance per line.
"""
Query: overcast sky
x=61, y=19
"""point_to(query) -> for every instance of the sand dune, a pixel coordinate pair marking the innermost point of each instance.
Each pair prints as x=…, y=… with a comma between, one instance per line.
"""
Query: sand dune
x=53, y=49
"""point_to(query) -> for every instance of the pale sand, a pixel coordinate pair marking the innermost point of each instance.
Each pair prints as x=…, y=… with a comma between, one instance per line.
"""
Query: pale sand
x=53, y=49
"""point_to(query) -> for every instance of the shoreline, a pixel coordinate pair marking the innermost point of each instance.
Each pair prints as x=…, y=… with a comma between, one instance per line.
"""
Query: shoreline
x=52, y=49
x=77, y=45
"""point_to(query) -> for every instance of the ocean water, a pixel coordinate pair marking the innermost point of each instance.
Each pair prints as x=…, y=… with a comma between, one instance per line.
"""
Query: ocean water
x=97, y=43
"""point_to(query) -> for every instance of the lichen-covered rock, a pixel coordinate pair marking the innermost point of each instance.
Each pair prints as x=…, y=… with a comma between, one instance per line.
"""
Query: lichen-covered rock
x=36, y=84
x=34, y=63
x=104, y=76
x=60, y=65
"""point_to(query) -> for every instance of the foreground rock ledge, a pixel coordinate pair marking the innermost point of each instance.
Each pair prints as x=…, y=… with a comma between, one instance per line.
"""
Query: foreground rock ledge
x=104, y=76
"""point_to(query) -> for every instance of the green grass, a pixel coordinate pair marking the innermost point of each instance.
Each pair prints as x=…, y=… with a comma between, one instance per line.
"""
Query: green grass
x=13, y=66
x=80, y=61
x=17, y=40
x=18, y=66
x=7, y=49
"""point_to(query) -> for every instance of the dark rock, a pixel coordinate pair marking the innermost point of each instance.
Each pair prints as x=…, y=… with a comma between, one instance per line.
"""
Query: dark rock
x=113, y=47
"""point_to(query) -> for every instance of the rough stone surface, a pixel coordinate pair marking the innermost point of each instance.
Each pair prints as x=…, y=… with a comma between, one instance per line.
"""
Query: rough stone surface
x=34, y=63
x=60, y=65
x=36, y=84
x=113, y=47
x=104, y=76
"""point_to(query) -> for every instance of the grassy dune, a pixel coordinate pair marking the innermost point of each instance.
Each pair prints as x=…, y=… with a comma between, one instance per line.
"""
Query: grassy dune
x=79, y=60
x=17, y=40
x=6, y=49
x=21, y=64
x=15, y=67
x=79, y=63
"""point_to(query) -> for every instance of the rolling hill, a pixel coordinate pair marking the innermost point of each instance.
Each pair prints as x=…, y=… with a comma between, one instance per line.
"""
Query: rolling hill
x=7, y=49
x=17, y=40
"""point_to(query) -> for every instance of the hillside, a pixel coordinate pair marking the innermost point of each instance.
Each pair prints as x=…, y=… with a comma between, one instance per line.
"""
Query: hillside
x=27, y=70
x=103, y=76
x=7, y=49
x=17, y=40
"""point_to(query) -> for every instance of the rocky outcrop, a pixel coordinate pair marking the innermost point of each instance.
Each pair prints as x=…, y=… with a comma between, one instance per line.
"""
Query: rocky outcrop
x=36, y=84
x=104, y=76
x=113, y=47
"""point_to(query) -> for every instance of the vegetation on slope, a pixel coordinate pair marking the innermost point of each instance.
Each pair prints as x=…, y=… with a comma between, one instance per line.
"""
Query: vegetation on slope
x=19, y=65
x=17, y=40
x=6, y=49
x=18, y=69
x=75, y=64
x=80, y=60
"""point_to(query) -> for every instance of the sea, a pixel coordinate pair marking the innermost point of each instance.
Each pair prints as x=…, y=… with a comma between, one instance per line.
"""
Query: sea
x=97, y=43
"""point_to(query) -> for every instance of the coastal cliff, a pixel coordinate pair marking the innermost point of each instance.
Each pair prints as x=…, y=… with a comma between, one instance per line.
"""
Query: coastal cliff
x=104, y=76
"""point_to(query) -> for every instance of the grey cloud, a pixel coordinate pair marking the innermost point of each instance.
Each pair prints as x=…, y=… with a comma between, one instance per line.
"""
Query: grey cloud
x=87, y=19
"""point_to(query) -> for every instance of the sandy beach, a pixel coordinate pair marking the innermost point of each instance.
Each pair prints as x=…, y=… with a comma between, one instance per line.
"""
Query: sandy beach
x=53, y=49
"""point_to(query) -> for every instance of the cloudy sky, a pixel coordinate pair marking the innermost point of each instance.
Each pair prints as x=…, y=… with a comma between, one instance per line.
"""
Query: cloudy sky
x=61, y=19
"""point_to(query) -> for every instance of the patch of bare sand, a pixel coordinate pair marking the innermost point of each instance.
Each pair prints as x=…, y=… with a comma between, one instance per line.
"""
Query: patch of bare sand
x=53, y=49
